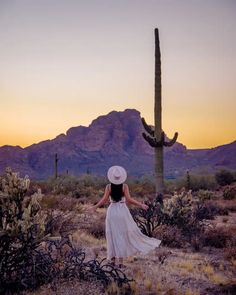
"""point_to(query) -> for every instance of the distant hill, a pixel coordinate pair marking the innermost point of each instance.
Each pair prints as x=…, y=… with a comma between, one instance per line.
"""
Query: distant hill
x=114, y=139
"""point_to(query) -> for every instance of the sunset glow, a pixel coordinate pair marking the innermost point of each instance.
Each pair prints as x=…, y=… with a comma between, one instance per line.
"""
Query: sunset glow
x=64, y=63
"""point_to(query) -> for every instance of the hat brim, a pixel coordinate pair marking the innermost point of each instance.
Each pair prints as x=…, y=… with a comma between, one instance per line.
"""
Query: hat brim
x=111, y=177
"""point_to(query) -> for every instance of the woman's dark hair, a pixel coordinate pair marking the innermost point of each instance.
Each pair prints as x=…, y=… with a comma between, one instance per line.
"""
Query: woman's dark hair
x=116, y=192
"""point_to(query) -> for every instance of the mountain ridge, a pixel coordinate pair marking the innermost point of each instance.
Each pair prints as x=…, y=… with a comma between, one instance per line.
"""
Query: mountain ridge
x=112, y=139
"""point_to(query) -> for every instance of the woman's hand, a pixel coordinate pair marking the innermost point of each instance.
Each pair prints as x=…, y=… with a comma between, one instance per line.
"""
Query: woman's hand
x=144, y=206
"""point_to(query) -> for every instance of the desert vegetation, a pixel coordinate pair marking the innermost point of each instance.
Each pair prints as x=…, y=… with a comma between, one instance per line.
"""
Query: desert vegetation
x=49, y=244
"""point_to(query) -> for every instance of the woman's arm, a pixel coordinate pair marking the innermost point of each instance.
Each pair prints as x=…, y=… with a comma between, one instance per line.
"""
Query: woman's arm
x=131, y=200
x=104, y=198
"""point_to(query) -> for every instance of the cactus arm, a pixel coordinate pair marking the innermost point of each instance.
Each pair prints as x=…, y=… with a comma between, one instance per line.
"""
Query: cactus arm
x=147, y=127
x=152, y=141
x=149, y=139
x=172, y=141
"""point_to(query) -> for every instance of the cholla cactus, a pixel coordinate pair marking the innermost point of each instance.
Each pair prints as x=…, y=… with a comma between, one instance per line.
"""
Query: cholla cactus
x=22, y=226
x=18, y=213
x=180, y=204
x=180, y=211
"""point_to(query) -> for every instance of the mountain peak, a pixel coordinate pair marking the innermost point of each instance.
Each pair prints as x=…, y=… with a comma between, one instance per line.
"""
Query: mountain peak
x=116, y=115
x=112, y=139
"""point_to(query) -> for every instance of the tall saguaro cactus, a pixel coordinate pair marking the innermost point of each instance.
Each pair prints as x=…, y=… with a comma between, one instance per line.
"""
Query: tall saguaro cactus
x=156, y=136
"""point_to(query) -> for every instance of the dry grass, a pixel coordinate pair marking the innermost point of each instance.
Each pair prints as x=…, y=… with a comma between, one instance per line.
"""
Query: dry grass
x=71, y=288
x=61, y=203
x=181, y=273
x=229, y=205
x=165, y=271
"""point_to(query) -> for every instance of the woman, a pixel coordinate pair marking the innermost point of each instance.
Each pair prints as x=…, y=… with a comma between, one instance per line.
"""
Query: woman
x=123, y=236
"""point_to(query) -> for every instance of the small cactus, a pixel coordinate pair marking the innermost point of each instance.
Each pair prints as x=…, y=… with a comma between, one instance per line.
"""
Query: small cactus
x=188, y=179
x=56, y=166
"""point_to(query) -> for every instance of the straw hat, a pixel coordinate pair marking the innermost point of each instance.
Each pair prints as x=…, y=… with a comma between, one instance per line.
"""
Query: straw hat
x=116, y=174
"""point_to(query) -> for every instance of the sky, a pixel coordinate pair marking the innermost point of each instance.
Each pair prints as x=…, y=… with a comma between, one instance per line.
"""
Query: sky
x=63, y=63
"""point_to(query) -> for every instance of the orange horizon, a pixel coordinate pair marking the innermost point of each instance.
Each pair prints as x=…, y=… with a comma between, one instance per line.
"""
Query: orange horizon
x=65, y=67
x=27, y=137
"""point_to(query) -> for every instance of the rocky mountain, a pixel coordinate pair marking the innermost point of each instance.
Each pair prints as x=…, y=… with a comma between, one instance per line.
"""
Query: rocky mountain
x=114, y=139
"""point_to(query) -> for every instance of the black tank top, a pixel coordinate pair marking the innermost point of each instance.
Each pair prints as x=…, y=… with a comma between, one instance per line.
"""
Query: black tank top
x=116, y=192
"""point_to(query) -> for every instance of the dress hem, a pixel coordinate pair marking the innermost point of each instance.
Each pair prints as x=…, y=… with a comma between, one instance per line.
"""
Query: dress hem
x=135, y=253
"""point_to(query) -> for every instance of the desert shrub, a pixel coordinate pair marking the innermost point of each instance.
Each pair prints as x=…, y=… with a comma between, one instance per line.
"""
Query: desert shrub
x=175, y=211
x=63, y=224
x=77, y=186
x=39, y=184
x=196, y=182
x=149, y=219
x=171, y=186
x=205, y=195
x=230, y=252
x=97, y=229
x=64, y=184
x=229, y=192
x=208, y=210
x=22, y=228
x=50, y=202
x=202, y=182
x=215, y=237
x=142, y=186
x=196, y=242
x=60, y=202
x=203, y=211
x=224, y=177
x=170, y=236
x=96, y=225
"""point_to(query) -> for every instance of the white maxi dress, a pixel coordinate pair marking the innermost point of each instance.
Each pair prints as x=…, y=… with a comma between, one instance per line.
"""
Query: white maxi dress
x=123, y=236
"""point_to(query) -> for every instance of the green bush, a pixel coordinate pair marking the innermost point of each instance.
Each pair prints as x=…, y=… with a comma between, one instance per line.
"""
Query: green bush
x=195, y=182
x=76, y=186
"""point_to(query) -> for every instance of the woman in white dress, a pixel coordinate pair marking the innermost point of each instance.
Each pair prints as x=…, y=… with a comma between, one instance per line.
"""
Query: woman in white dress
x=123, y=236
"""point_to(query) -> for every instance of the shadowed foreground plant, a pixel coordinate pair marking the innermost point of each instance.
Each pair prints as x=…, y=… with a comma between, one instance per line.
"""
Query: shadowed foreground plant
x=30, y=258
x=150, y=219
x=22, y=228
